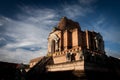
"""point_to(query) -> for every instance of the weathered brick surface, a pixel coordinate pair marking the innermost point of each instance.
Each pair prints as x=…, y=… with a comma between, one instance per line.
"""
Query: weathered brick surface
x=59, y=59
x=70, y=38
x=75, y=37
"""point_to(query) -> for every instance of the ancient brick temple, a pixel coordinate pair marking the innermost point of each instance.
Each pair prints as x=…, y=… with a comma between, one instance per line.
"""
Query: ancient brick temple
x=76, y=52
x=68, y=37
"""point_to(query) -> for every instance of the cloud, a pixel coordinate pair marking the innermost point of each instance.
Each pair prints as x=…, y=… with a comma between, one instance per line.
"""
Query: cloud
x=1, y=24
x=111, y=52
x=25, y=37
x=74, y=11
x=110, y=33
x=29, y=34
x=19, y=55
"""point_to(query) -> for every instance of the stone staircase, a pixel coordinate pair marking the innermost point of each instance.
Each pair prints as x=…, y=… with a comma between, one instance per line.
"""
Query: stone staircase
x=39, y=68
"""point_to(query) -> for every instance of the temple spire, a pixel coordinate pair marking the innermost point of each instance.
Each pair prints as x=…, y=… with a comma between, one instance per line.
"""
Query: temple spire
x=66, y=23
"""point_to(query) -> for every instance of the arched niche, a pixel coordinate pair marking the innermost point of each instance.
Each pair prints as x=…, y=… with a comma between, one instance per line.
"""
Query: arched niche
x=54, y=43
x=99, y=43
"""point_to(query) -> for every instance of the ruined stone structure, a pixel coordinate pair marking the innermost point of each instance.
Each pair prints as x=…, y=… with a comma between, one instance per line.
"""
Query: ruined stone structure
x=72, y=51
x=68, y=37
x=35, y=61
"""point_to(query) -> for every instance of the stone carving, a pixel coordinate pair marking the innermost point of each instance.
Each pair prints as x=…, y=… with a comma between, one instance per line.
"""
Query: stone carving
x=99, y=42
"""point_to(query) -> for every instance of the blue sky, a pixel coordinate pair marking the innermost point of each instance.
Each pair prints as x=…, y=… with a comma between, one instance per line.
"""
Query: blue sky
x=25, y=25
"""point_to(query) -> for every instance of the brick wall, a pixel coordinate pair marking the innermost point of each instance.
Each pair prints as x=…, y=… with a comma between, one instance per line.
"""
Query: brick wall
x=75, y=37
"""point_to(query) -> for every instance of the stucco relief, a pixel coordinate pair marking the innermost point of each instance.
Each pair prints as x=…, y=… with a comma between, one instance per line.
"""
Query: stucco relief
x=54, y=41
x=99, y=42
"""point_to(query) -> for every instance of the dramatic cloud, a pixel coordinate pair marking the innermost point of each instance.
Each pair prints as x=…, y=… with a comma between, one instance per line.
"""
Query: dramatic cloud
x=25, y=37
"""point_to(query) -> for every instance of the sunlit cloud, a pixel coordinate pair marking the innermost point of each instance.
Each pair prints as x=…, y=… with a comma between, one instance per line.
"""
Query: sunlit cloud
x=25, y=37
x=29, y=34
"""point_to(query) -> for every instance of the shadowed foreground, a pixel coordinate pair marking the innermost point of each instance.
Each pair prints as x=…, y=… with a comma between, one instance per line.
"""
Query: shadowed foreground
x=68, y=75
x=8, y=71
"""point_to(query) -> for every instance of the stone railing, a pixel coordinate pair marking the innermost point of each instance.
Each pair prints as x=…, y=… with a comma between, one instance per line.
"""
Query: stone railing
x=61, y=53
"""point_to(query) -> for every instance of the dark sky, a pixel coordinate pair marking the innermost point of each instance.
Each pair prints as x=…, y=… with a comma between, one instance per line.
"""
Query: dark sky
x=25, y=24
